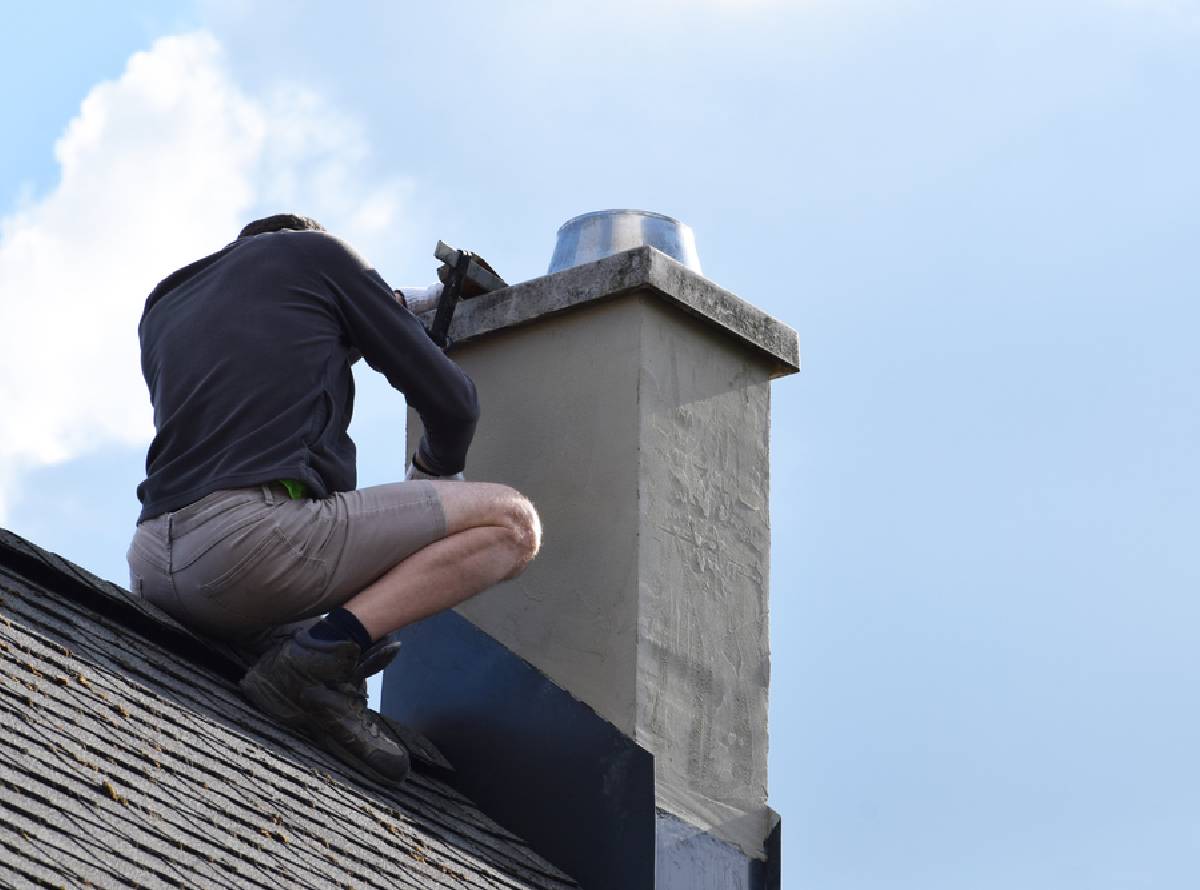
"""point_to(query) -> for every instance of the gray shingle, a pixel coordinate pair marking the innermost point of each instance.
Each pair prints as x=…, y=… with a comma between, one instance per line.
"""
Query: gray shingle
x=124, y=763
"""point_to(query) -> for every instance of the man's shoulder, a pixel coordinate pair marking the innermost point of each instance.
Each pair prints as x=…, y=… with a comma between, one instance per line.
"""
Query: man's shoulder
x=321, y=246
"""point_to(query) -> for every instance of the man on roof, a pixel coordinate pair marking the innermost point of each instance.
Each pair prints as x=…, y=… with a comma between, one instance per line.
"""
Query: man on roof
x=252, y=526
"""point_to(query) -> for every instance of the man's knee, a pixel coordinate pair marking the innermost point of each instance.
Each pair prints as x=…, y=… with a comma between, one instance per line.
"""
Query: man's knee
x=514, y=513
x=476, y=504
x=523, y=523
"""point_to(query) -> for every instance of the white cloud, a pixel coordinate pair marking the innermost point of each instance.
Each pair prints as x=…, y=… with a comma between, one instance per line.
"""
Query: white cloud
x=160, y=166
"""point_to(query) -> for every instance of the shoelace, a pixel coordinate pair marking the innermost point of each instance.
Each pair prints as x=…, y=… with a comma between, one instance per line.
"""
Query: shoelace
x=357, y=693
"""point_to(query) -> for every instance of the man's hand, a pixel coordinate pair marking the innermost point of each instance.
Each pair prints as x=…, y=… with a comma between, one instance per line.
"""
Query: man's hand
x=415, y=472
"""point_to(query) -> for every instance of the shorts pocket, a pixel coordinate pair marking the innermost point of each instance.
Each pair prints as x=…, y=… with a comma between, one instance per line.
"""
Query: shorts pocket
x=266, y=556
x=264, y=581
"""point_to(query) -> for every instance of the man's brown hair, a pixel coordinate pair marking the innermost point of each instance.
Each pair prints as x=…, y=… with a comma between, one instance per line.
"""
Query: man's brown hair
x=279, y=222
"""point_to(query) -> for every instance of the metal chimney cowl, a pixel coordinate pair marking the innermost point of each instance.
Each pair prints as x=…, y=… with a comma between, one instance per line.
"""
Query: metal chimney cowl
x=612, y=700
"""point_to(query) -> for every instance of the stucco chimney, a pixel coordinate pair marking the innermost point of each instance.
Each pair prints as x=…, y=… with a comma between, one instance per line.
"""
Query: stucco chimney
x=629, y=398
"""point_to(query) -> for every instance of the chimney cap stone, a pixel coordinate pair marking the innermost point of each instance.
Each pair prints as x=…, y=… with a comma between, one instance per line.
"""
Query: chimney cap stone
x=643, y=268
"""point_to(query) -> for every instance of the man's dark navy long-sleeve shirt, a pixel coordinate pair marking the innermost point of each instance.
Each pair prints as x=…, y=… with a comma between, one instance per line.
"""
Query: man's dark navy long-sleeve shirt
x=247, y=356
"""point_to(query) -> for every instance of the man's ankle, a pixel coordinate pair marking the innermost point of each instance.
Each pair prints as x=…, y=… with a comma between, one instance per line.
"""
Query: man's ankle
x=341, y=624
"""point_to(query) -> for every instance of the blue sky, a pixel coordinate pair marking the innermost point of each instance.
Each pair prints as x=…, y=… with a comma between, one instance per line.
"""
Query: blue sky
x=980, y=218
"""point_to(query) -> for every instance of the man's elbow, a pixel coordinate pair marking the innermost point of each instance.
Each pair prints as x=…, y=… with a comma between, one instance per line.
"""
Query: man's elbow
x=464, y=408
x=458, y=417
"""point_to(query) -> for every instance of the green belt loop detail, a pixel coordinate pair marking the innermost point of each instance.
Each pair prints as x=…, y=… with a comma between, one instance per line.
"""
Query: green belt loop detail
x=297, y=491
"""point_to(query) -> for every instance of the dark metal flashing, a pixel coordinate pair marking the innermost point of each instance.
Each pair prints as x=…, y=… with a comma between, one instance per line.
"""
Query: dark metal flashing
x=122, y=764
x=689, y=858
x=533, y=757
x=775, y=856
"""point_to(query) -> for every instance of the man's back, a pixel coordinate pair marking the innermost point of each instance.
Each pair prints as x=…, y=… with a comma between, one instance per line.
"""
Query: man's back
x=247, y=356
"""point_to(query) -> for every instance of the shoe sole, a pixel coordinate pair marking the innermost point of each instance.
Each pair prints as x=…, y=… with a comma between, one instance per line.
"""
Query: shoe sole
x=329, y=744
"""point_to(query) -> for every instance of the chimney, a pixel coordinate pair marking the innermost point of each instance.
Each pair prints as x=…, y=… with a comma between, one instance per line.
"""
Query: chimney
x=613, y=698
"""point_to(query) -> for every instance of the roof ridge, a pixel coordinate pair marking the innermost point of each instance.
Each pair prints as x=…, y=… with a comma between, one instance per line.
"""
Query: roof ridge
x=113, y=601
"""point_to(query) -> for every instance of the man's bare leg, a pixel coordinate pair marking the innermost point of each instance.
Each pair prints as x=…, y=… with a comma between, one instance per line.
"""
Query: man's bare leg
x=492, y=532
x=308, y=683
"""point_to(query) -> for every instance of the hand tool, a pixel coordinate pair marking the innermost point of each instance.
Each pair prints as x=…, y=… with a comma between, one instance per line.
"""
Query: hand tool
x=463, y=274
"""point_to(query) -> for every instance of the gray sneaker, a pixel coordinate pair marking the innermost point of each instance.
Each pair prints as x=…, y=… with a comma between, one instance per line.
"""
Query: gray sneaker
x=311, y=686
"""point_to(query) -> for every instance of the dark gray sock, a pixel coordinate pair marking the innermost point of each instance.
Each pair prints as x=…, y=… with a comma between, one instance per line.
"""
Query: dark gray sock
x=341, y=624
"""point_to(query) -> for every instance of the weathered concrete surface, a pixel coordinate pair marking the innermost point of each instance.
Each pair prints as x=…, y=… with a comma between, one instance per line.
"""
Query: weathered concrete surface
x=560, y=424
x=644, y=268
x=629, y=399
x=704, y=550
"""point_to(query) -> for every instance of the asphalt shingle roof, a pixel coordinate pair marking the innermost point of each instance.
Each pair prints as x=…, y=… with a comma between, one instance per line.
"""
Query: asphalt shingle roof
x=129, y=758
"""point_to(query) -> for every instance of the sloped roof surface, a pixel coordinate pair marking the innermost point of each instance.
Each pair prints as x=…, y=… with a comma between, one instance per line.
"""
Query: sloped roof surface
x=126, y=763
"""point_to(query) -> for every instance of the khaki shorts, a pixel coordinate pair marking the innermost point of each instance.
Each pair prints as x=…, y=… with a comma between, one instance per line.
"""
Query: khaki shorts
x=236, y=564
